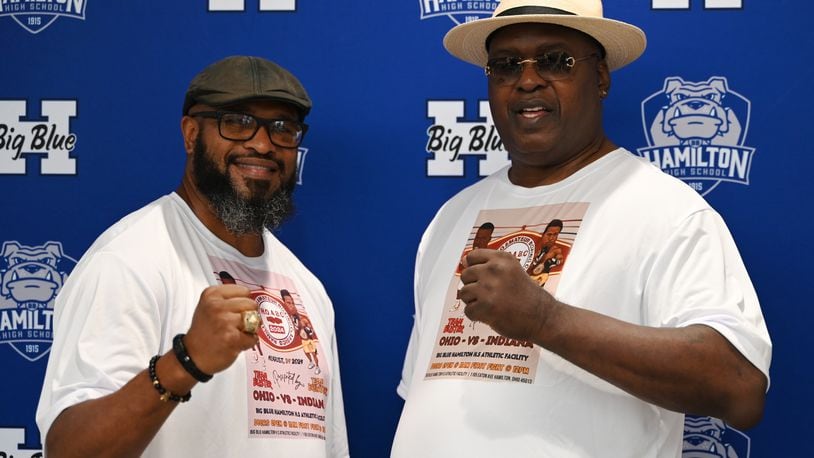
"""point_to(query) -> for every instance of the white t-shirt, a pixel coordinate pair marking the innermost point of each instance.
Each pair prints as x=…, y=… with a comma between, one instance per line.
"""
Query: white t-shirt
x=636, y=245
x=138, y=286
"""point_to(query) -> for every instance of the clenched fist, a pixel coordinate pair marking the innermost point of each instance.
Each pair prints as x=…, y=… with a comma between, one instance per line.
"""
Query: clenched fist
x=498, y=292
x=215, y=337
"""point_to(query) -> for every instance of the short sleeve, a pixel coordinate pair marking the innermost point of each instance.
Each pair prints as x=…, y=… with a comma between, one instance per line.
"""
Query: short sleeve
x=699, y=278
x=106, y=328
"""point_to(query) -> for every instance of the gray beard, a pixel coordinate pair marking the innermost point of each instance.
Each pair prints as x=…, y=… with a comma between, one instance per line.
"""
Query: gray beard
x=240, y=215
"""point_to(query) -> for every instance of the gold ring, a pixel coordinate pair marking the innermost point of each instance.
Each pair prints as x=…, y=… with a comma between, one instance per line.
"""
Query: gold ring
x=251, y=321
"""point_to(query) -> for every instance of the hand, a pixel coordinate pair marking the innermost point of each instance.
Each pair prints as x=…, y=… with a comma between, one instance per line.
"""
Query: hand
x=216, y=336
x=555, y=252
x=498, y=292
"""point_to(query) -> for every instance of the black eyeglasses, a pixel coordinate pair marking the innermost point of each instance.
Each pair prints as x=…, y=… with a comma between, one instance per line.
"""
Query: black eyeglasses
x=551, y=66
x=285, y=133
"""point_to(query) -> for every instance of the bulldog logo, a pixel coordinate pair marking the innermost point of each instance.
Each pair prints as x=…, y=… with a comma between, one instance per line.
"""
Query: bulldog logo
x=695, y=115
x=698, y=135
x=708, y=437
x=31, y=277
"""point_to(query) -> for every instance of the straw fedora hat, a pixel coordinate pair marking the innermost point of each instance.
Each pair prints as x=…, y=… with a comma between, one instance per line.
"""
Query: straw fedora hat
x=623, y=42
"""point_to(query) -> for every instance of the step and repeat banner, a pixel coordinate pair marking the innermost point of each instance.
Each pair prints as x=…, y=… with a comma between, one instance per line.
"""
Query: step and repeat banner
x=90, y=103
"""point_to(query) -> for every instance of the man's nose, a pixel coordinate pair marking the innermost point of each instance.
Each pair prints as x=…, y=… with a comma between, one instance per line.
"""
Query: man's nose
x=529, y=77
x=261, y=142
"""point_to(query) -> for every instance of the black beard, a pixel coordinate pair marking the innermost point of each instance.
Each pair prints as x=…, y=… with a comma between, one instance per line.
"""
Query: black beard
x=241, y=216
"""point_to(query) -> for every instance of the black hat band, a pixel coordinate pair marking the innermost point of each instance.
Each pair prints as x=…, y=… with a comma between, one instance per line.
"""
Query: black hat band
x=521, y=10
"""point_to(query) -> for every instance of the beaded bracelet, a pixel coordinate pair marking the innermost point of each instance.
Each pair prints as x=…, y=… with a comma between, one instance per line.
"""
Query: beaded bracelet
x=183, y=357
x=165, y=395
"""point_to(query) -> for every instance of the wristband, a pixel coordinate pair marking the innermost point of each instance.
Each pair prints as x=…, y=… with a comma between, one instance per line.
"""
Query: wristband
x=183, y=357
x=164, y=394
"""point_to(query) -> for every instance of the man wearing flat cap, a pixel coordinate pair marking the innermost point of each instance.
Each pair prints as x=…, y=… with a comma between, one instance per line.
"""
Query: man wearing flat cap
x=652, y=315
x=172, y=337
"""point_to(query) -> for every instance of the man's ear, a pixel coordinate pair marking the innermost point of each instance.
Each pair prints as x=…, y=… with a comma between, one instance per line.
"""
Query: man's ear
x=603, y=76
x=190, y=130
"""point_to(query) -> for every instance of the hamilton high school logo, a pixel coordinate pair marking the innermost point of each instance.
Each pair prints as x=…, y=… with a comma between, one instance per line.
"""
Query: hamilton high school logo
x=36, y=15
x=696, y=132
x=459, y=11
x=30, y=278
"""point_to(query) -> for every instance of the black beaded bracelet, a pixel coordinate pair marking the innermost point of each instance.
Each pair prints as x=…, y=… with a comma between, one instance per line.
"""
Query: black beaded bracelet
x=183, y=357
x=164, y=394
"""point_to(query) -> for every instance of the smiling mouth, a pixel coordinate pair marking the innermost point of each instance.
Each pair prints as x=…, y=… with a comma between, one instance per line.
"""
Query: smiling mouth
x=257, y=169
x=532, y=112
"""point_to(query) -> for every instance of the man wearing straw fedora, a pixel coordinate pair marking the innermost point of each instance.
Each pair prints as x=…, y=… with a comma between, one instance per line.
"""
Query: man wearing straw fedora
x=172, y=338
x=653, y=314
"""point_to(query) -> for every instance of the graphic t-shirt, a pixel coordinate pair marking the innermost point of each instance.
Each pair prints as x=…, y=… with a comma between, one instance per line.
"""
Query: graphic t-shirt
x=138, y=286
x=628, y=234
x=473, y=350
x=287, y=383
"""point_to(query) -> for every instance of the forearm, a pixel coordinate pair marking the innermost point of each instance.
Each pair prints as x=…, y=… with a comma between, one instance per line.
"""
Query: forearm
x=121, y=424
x=692, y=369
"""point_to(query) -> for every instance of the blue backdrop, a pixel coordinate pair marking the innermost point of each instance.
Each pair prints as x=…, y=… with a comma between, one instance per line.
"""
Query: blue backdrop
x=90, y=104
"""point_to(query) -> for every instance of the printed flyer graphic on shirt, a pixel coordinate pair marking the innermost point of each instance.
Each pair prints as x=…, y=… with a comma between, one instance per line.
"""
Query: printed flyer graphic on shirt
x=287, y=387
x=541, y=239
